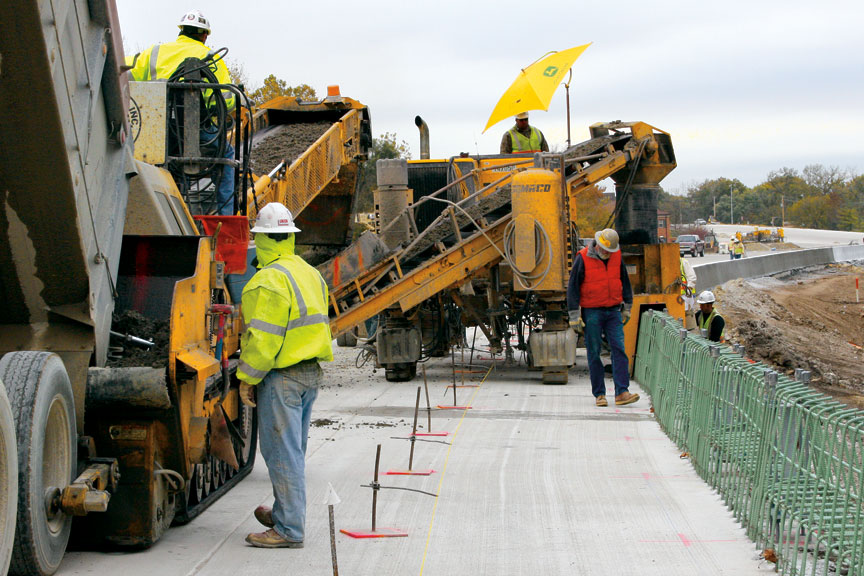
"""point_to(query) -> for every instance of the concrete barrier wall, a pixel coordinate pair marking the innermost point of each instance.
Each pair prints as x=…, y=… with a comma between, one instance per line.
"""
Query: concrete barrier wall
x=846, y=253
x=717, y=273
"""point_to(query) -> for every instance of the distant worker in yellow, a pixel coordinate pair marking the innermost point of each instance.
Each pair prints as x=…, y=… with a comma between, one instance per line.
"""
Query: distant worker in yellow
x=161, y=62
x=523, y=138
x=287, y=335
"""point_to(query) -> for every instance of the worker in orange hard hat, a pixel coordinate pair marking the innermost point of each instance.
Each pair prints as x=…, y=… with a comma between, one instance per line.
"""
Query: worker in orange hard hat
x=523, y=138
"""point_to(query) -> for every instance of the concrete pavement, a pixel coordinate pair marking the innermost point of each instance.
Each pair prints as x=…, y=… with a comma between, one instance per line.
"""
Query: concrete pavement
x=536, y=478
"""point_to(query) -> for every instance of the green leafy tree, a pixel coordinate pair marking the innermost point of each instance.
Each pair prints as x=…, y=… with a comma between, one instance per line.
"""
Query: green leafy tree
x=812, y=212
x=385, y=147
x=275, y=87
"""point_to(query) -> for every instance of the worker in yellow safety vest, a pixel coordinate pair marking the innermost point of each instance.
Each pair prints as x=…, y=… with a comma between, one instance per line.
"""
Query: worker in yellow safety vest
x=523, y=138
x=688, y=290
x=160, y=62
x=287, y=335
x=738, y=250
x=708, y=319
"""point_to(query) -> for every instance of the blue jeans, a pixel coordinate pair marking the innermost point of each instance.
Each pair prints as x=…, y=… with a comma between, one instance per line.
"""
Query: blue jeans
x=608, y=321
x=225, y=191
x=285, y=399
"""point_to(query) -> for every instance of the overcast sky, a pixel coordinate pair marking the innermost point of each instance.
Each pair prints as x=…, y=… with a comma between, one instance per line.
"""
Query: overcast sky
x=743, y=87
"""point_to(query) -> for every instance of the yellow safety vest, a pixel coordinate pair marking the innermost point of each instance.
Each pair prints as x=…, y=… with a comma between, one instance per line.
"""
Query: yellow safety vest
x=285, y=311
x=739, y=248
x=160, y=61
x=685, y=288
x=520, y=143
x=706, y=324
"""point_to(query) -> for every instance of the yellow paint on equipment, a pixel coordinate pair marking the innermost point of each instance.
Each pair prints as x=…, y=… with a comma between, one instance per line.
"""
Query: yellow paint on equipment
x=539, y=231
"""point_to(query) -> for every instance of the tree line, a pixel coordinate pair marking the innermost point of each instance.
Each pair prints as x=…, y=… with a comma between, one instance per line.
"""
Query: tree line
x=816, y=197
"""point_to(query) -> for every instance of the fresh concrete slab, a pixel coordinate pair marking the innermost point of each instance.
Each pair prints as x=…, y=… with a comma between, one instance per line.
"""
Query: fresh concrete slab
x=535, y=479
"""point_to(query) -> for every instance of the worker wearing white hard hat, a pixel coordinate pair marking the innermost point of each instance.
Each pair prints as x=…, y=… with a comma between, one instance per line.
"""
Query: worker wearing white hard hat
x=599, y=298
x=523, y=138
x=164, y=62
x=708, y=319
x=285, y=309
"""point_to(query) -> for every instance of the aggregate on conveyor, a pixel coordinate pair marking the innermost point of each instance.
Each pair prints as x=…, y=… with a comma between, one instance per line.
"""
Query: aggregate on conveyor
x=284, y=142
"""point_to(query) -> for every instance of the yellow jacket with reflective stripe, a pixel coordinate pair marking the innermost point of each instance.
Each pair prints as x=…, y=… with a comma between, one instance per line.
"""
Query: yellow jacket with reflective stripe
x=521, y=143
x=160, y=61
x=285, y=311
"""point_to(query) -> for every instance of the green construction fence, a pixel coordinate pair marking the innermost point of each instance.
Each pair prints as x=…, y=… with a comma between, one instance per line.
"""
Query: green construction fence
x=788, y=461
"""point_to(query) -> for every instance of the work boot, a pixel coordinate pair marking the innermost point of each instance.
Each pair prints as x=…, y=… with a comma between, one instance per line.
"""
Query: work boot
x=626, y=398
x=601, y=401
x=271, y=539
x=264, y=515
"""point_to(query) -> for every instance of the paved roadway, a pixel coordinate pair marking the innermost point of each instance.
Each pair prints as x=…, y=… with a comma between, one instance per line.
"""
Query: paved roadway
x=536, y=479
x=803, y=237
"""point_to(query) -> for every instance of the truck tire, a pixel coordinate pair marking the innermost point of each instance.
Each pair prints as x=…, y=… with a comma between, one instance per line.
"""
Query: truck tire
x=8, y=481
x=41, y=398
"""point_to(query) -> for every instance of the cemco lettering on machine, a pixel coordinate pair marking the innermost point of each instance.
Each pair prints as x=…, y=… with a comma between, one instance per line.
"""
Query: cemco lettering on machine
x=531, y=188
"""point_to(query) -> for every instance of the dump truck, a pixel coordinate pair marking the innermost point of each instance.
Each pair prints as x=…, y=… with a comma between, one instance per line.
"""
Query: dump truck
x=119, y=333
x=488, y=241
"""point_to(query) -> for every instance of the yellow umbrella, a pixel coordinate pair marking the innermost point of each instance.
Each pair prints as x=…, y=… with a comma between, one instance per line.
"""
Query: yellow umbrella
x=535, y=85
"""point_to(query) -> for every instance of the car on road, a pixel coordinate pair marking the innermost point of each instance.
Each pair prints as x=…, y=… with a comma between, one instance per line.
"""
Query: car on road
x=691, y=244
x=700, y=222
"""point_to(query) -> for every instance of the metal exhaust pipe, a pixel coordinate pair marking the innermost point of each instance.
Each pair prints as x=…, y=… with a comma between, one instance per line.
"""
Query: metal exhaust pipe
x=424, y=137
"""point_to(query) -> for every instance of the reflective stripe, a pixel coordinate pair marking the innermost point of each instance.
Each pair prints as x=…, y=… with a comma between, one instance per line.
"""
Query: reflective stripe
x=323, y=289
x=246, y=368
x=301, y=303
x=310, y=320
x=154, y=56
x=268, y=327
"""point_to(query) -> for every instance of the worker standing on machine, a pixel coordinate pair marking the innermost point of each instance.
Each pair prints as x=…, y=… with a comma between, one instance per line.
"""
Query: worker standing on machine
x=599, y=290
x=287, y=334
x=161, y=61
x=707, y=317
x=523, y=138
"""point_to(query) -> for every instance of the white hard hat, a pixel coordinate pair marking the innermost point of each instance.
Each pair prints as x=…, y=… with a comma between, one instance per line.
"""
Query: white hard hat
x=195, y=19
x=607, y=239
x=706, y=297
x=274, y=218
x=522, y=116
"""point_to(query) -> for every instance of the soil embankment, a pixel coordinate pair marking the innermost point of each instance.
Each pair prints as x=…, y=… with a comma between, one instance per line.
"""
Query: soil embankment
x=802, y=319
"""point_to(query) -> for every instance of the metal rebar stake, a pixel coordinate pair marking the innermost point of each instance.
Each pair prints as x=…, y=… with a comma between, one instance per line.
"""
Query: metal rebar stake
x=428, y=404
x=375, y=486
x=333, y=540
x=453, y=366
x=414, y=432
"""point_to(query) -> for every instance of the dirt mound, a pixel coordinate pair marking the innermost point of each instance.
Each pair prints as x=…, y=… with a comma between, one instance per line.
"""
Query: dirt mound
x=802, y=319
x=285, y=142
x=770, y=246
x=134, y=324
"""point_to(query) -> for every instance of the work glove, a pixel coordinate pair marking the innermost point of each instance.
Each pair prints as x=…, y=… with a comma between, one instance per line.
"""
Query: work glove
x=576, y=322
x=625, y=313
x=247, y=394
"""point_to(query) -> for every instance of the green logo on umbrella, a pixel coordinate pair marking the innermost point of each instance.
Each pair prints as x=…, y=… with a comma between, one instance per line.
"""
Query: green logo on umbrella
x=550, y=71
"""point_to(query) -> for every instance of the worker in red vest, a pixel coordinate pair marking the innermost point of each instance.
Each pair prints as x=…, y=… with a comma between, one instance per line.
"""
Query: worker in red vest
x=599, y=298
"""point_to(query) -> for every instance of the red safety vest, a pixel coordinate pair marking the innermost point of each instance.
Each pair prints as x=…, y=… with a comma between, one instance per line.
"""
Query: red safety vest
x=602, y=285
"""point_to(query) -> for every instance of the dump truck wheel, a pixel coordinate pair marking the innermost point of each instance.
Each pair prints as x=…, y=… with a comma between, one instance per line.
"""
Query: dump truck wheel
x=41, y=398
x=8, y=481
